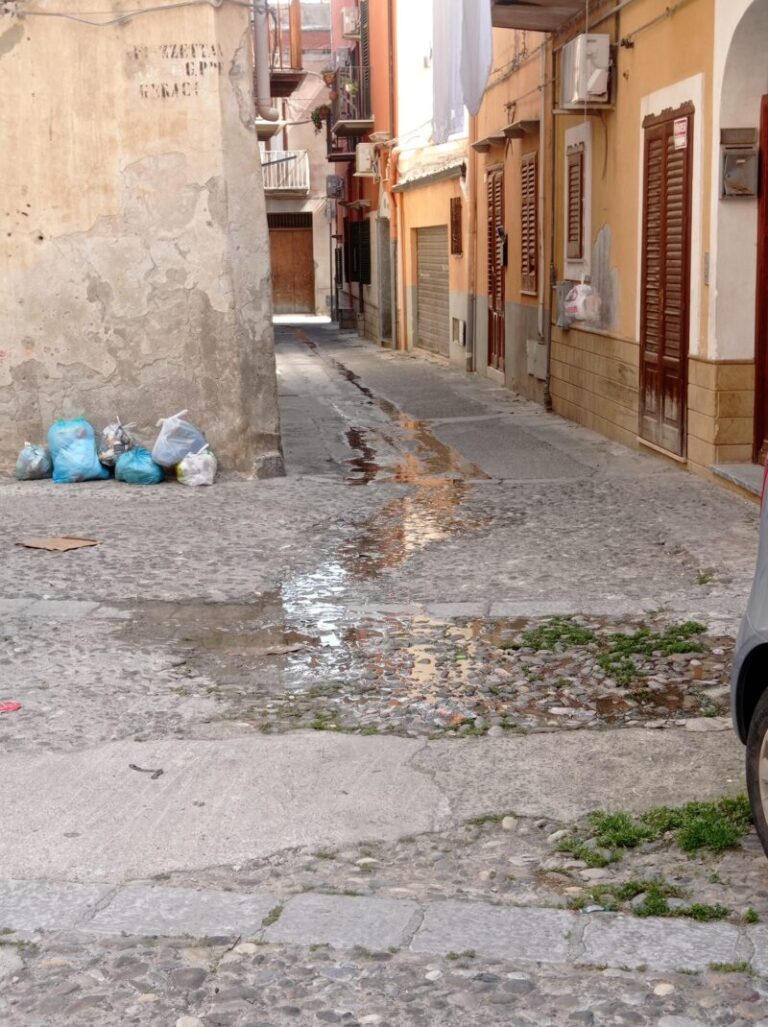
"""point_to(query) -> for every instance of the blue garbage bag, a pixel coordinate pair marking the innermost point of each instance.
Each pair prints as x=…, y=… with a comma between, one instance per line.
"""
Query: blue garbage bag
x=33, y=462
x=73, y=448
x=137, y=467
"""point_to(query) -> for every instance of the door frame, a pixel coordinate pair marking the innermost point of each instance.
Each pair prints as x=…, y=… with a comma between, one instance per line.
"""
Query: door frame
x=684, y=110
x=761, y=302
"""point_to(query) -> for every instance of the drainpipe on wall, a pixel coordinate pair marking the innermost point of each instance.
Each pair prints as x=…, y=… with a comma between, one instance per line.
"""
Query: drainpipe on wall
x=261, y=60
x=471, y=357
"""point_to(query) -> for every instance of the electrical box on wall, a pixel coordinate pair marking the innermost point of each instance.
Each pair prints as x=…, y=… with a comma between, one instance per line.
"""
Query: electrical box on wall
x=585, y=71
x=365, y=160
x=350, y=22
x=739, y=172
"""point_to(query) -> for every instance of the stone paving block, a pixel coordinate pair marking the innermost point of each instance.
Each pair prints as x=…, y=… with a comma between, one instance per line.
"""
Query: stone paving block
x=60, y=609
x=29, y=905
x=142, y=911
x=759, y=938
x=14, y=607
x=343, y=922
x=540, y=935
x=449, y=610
x=660, y=944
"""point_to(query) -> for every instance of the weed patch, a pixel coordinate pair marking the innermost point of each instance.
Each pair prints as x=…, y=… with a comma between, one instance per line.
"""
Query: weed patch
x=559, y=632
x=695, y=827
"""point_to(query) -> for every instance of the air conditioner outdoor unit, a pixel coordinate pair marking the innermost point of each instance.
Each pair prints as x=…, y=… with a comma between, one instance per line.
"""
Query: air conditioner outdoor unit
x=350, y=22
x=585, y=70
x=365, y=159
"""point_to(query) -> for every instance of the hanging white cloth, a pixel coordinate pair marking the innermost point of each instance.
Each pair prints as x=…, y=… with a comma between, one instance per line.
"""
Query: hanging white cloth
x=462, y=53
x=448, y=102
x=476, y=51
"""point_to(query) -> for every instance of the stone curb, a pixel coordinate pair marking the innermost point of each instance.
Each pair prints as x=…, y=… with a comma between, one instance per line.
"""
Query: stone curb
x=515, y=933
x=72, y=609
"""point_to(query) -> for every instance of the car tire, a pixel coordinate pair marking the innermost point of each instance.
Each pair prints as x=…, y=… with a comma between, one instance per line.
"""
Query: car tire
x=757, y=768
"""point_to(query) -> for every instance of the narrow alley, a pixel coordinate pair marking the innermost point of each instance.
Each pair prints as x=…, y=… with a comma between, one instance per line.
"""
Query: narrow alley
x=355, y=745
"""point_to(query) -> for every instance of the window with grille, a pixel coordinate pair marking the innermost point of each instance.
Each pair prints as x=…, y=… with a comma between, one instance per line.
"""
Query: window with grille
x=575, y=201
x=456, y=240
x=529, y=223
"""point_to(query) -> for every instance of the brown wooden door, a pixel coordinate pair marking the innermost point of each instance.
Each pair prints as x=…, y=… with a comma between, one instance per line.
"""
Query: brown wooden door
x=293, y=270
x=665, y=282
x=496, y=244
x=761, y=314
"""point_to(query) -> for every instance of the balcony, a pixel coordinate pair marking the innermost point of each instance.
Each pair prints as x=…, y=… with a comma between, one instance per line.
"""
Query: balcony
x=266, y=129
x=285, y=45
x=351, y=114
x=285, y=171
x=535, y=15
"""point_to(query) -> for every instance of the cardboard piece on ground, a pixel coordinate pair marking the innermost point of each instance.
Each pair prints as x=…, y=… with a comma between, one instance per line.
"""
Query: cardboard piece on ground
x=58, y=545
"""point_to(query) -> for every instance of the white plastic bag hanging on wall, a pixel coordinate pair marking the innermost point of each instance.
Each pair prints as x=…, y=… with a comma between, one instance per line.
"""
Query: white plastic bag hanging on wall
x=582, y=303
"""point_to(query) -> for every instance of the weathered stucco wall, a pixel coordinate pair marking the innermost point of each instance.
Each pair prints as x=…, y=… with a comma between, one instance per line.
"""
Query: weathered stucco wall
x=134, y=261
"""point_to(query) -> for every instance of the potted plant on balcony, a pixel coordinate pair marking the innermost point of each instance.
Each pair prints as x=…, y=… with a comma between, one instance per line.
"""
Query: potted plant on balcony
x=319, y=115
x=329, y=76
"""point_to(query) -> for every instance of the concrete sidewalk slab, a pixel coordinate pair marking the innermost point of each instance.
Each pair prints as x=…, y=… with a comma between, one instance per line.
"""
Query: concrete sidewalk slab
x=344, y=922
x=172, y=912
x=622, y=941
x=538, y=935
x=85, y=816
x=37, y=905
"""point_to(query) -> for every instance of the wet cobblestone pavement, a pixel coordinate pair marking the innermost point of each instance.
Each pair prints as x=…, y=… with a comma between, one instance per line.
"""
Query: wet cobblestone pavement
x=407, y=579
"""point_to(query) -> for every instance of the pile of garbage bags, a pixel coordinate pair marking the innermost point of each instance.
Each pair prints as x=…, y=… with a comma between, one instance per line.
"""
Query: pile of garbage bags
x=73, y=455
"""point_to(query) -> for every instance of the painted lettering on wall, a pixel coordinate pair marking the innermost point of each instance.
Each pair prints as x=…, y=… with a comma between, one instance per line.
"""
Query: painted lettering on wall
x=175, y=70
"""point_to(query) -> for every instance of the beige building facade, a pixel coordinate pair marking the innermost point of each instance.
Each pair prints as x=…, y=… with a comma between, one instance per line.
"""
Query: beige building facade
x=134, y=260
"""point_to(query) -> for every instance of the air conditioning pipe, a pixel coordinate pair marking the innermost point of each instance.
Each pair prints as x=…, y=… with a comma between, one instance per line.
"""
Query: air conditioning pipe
x=261, y=60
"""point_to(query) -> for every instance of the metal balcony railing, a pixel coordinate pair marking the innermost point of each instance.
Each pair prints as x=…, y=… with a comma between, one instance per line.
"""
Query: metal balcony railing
x=285, y=171
x=353, y=94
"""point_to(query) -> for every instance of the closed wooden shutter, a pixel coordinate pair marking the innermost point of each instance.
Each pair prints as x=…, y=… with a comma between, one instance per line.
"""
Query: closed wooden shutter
x=529, y=223
x=496, y=247
x=575, y=197
x=432, y=301
x=665, y=282
x=365, y=61
x=456, y=235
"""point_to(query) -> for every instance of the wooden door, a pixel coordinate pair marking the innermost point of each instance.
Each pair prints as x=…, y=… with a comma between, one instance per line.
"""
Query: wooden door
x=761, y=314
x=433, y=329
x=293, y=269
x=496, y=244
x=665, y=281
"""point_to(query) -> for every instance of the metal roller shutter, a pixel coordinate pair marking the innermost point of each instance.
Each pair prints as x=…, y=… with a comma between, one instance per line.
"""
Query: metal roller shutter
x=432, y=318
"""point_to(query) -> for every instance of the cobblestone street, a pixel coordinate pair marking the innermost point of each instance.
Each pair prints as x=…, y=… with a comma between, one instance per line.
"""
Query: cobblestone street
x=422, y=733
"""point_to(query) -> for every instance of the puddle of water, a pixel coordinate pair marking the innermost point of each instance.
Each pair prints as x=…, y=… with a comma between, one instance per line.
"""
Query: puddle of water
x=430, y=457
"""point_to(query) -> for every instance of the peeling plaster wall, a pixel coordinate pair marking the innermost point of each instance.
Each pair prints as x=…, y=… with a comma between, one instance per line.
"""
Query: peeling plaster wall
x=134, y=259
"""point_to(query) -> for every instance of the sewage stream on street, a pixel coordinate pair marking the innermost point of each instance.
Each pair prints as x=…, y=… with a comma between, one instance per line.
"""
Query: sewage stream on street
x=302, y=656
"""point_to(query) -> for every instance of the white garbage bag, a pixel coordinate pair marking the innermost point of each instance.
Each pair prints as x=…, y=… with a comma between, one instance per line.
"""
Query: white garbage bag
x=197, y=468
x=177, y=439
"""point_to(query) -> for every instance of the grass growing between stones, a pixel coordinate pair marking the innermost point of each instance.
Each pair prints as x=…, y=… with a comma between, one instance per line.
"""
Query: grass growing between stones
x=617, y=659
x=616, y=653
x=695, y=827
x=654, y=901
x=742, y=967
x=273, y=916
x=557, y=632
